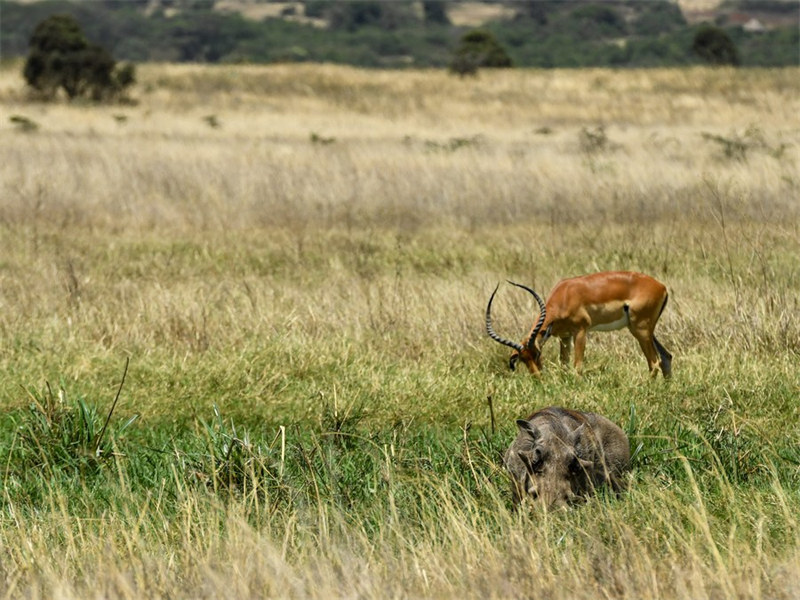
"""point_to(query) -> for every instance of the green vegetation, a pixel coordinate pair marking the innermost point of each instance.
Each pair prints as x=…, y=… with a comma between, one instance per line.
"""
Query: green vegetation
x=478, y=49
x=715, y=46
x=61, y=57
x=394, y=34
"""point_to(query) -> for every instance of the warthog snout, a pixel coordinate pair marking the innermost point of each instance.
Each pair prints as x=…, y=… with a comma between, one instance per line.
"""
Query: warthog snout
x=561, y=456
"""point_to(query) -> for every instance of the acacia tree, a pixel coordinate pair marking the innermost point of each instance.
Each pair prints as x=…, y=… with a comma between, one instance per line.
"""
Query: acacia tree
x=61, y=57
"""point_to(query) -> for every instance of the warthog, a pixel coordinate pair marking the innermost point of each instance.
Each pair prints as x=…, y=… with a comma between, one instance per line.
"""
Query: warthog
x=561, y=456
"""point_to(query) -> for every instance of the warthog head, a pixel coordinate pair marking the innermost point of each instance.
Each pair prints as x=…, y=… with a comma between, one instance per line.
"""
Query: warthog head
x=561, y=456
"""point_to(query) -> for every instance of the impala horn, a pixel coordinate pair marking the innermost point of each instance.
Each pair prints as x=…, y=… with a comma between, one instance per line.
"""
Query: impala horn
x=542, y=313
x=490, y=330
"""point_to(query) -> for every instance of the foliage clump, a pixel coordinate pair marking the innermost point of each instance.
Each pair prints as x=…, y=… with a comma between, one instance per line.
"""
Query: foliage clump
x=61, y=435
x=738, y=147
x=61, y=57
x=478, y=48
x=714, y=46
x=23, y=123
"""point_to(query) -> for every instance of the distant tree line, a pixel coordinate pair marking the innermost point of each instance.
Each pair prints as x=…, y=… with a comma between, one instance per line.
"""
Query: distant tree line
x=372, y=33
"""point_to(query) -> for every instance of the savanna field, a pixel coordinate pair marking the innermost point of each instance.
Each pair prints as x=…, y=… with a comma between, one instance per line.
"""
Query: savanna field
x=243, y=349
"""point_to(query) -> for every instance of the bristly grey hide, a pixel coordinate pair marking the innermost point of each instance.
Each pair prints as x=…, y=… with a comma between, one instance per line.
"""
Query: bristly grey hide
x=561, y=456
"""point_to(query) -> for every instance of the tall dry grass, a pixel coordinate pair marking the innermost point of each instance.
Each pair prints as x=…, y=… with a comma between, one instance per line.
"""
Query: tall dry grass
x=520, y=152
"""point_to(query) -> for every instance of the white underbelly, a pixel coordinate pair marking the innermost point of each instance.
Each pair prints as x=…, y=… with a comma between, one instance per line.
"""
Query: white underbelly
x=612, y=326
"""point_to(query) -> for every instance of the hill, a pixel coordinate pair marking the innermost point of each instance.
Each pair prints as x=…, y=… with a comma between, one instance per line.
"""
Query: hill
x=581, y=33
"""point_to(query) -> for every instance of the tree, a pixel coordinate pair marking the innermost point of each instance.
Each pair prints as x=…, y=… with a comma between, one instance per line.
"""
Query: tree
x=61, y=57
x=352, y=16
x=595, y=21
x=435, y=11
x=655, y=18
x=478, y=48
x=714, y=46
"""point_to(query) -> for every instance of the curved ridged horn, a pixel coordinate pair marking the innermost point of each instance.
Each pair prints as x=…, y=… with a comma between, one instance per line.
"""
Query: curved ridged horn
x=542, y=312
x=490, y=329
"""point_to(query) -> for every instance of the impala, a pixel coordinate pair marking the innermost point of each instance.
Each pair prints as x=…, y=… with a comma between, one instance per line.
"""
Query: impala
x=598, y=302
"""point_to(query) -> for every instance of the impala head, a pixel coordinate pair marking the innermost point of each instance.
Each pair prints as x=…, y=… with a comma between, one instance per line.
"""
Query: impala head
x=529, y=352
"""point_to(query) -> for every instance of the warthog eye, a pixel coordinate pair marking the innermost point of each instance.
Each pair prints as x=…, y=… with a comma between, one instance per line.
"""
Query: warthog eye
x=575, y=466
x=533, y=460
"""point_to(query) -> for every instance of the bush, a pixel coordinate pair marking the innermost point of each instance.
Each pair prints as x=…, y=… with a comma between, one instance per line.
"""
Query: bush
x=478, y=48
x=714, y=46
x=62, y=58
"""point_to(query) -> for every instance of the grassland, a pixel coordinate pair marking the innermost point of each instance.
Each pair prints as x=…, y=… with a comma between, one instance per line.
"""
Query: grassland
x=295, y=262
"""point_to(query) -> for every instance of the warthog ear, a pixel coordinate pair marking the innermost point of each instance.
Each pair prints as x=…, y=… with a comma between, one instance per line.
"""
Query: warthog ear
x=527, y=427
x=577, y=435
x=583, y=442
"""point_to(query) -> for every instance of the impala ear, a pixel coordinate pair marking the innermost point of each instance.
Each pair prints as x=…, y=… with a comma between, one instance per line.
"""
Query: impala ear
x=547, y=333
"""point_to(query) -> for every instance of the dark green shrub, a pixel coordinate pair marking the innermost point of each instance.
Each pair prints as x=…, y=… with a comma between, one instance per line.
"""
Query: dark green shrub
x=714, y=46
x=478, y=48
x=435, y=11
x=61, y=57
x=24, y=123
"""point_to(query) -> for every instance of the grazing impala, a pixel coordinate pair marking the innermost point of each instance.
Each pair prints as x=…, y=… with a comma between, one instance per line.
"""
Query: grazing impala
x=597, y=302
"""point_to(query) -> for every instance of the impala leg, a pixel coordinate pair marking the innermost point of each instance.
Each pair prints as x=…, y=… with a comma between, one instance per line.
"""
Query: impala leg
x=566, y=349
x=647, y=344
x=666, y=358
x=580, y=346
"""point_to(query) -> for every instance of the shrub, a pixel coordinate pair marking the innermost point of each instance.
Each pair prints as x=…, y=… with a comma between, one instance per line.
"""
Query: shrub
x=478, y=48
x=24, y=123
x=593, y=141
x=714, y=46
x=62, y=58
